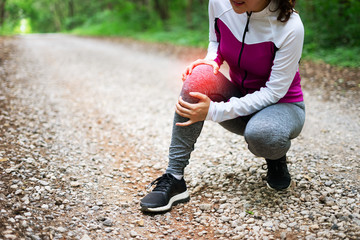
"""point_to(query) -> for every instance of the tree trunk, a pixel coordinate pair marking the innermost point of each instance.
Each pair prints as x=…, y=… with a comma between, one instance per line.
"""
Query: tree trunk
x=189, y=9
x=2, y=12
x=71, y=13
x=162, y=8
x=71, y=8
x=54, y=8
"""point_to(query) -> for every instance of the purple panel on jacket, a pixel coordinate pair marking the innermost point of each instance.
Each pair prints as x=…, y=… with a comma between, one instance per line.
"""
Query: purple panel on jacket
x=255, y=64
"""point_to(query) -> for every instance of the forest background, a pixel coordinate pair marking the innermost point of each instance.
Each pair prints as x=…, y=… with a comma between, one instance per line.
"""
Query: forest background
x=332, y=27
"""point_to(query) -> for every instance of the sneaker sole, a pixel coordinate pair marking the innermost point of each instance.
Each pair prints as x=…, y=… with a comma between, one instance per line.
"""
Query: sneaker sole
x=284, y=189
x=180, y=198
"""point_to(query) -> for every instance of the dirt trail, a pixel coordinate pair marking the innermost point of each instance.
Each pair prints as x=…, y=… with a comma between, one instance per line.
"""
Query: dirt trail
x=106, y=110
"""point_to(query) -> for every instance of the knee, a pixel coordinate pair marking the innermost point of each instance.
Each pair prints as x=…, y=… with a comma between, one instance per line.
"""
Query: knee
x=267, y=143
x=201, y=72
x=200, y=80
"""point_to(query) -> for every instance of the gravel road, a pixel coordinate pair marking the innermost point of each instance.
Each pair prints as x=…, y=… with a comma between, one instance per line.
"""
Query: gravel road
x=85, y=126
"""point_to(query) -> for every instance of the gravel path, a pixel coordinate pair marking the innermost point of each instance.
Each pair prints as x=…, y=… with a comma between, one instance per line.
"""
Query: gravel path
x=85, y=126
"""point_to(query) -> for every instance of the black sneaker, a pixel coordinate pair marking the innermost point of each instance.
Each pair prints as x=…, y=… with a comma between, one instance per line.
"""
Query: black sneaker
x=278, y=176
x=168, y=192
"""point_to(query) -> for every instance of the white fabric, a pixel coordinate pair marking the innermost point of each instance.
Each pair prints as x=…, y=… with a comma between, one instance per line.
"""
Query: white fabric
x=263, y=27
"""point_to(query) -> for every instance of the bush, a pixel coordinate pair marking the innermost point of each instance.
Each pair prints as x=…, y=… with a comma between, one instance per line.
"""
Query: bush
x=331, y=23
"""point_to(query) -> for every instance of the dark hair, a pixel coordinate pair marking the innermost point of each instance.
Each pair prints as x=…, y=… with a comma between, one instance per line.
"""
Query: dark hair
x=286, y=8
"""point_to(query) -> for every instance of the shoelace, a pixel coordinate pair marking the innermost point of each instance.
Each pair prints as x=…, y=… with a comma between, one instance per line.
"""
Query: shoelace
x=162, y=183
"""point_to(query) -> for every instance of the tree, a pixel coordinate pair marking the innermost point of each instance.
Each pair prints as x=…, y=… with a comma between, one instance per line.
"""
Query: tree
x=162, y=8
x=2, y=12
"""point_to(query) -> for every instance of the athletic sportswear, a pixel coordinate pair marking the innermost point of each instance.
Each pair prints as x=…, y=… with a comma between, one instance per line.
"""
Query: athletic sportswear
x=168, y=192
x=263, y=55
x=268, y=132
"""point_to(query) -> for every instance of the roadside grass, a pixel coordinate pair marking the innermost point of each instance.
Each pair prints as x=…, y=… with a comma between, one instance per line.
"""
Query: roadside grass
x=178, y=35
x=337, y=56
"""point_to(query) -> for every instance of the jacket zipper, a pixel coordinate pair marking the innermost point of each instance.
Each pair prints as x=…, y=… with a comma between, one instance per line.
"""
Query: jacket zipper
x=242, y=47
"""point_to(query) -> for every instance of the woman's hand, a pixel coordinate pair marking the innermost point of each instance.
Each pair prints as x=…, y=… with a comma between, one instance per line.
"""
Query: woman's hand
x=194, y=111
x=189, y=68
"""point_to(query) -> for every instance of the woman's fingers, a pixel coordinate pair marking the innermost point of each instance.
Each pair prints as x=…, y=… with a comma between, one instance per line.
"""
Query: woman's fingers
x=216, y=68
x=189, y=69
x=185, y=73
x=185, y=104
x=199, y=95
x=184, y=124
x=184, y=109
x=193, y=65
x=195, y=112
x=184, y=112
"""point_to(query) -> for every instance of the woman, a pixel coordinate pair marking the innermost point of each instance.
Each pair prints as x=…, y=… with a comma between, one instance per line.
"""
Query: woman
x=261, y=40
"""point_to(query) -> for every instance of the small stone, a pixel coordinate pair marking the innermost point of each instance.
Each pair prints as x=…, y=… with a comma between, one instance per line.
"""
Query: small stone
x=73, y=178
x=10, y=236
x=75, y=184
x=9, y=170
x=58, y=236
x=18, y=192
x=140, y=222
x=330, y=201
x=44, y=183
x=205, y=207
x=334, y=227
x=108, y=222
x=35, y=237
x=322, y=199
x=61, y=229
x=85, y=237
x=304, y=212
x=250, y=220
x=24, y=224
x=208, y=195
x=95, y=208
x=303, y=184
x=267, y=224
x=133, y=233
x=58, y=201
x=328, y=183
x=45, y=206
x=314, y=227
x=256, y=228
x=282, y=225
x=293, y=224
x=202, y=233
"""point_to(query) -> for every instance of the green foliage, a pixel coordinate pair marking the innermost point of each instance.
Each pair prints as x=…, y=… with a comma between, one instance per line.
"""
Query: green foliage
x=23, y=27
x=133, y=20
x=331, y=30
x=331, y=26
x=185, y=37
x=340, y=56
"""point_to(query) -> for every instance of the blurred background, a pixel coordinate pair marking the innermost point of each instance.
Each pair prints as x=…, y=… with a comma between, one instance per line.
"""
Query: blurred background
x=332, y=26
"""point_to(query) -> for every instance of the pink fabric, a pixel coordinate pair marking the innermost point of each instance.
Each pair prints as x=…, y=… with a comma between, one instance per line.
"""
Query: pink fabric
x=255, y=65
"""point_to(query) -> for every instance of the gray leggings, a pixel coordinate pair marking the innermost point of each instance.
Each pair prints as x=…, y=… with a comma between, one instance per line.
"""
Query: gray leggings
x=267, y=132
